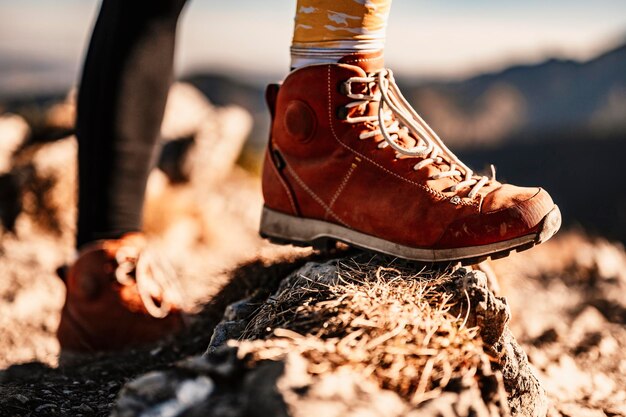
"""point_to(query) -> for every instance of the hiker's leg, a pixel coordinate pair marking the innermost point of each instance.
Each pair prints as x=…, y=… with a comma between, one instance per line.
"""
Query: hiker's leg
x=327, y=30
x=126, y=77
x=122, y=97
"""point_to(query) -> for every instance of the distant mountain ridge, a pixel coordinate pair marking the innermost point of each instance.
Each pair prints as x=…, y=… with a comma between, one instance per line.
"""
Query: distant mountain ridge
x=556, y=95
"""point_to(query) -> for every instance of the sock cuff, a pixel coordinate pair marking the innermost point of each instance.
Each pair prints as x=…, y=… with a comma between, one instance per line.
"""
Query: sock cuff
x=302, y=55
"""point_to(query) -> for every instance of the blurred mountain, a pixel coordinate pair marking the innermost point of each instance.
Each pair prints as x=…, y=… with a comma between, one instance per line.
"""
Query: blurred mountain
x=521, y=101
x=26, y=78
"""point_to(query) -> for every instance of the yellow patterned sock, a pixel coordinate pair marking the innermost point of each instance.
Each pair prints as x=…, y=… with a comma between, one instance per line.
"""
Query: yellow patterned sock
x=327, y=30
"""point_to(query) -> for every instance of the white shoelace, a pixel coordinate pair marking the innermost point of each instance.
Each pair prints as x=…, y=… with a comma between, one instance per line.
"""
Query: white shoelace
x=155, y=279
x=400, y=116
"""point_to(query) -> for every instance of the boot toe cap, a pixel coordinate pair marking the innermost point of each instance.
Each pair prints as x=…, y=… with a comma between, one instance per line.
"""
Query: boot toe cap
x=509, y=213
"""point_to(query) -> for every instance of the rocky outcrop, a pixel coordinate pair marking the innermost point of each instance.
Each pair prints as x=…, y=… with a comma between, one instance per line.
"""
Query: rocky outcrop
x=202, y=142
x=41, y=174
x=356, y=336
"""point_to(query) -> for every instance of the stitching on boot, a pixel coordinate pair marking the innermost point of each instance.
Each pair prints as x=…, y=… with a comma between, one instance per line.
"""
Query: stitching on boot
x=315, y=196
x=344, y=182
x=332, y=129
x=287, y=191
x=351, y=61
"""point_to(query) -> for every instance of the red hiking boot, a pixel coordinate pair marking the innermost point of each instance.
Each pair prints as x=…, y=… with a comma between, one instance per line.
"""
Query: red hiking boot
x=118, y=296
x=350, y=160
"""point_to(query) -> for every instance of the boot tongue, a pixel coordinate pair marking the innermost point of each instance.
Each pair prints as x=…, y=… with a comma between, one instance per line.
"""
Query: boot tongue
x=367, y=61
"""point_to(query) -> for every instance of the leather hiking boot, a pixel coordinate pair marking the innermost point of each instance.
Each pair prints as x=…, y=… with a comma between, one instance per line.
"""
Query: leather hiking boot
x=119, y=295
x=350, y=160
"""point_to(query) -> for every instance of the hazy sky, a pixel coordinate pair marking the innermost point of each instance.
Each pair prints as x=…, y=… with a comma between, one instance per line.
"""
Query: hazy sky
x=425, y=37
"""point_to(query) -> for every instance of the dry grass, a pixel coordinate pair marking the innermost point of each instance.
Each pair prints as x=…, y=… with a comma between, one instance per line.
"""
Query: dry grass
x=390, y=323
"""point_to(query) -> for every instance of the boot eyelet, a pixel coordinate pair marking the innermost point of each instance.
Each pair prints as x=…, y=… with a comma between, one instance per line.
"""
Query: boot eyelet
x=342, y=113
x=455, y=200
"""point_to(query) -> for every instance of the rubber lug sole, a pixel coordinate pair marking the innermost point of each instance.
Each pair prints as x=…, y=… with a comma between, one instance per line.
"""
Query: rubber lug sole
x=282, y=228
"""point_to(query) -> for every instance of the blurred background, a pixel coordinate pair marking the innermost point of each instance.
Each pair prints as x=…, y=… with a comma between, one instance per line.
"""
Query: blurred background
x=536, y=88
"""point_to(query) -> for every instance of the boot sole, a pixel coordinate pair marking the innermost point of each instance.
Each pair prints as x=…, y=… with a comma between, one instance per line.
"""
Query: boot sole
x=285, y=229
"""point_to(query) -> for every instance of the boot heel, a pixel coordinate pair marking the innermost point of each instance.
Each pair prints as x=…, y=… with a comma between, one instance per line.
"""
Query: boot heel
x=284, y=229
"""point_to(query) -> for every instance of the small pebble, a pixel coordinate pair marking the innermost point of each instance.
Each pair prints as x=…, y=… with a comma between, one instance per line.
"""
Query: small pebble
x=21, y=398
x=83, y=408
x=44, y=407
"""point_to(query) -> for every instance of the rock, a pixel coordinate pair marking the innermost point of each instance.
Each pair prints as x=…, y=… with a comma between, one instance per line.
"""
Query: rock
x=565, y=380
x=221, y=364
x=283, y=372
x=162, y=394
x=527, y=396
x=324, y=274
x=492, y=315
x=61, y=116
x=590, y=320
x=46, y=408
x=617, y=410
x=47, y=174
x=217, y=145
x=21, y=398
x=83, y=408
x=14, y=132
x=608, y=346
x=488, y=312
x=204, y=141
x=186, y=109
x=276, y=388
x=603, y=388
x=225, y=331
x=241, y=310
x=235, y=321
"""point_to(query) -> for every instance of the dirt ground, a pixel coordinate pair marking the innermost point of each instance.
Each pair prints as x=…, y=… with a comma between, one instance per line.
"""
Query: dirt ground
x=572, y=330
x=31, y=295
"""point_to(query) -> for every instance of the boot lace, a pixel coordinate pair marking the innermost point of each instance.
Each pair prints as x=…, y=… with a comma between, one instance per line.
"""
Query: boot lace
x=154, y=277
x=395, y=114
